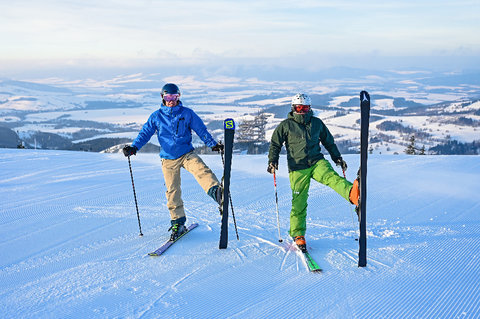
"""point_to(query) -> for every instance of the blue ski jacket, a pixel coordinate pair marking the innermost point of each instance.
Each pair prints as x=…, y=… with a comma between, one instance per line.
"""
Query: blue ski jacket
x=174, y=131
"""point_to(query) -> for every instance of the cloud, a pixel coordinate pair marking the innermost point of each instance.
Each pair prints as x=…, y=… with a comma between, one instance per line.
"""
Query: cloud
x=139, y=32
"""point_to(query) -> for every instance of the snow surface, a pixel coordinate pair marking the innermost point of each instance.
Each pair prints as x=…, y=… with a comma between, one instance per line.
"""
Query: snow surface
x=70, y=246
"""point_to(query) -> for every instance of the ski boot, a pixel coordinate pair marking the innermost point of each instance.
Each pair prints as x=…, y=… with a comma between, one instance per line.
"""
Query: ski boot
x=177, y=231
x=219, y=195
x=301, y=243
x=355, y=194
x=216, y=193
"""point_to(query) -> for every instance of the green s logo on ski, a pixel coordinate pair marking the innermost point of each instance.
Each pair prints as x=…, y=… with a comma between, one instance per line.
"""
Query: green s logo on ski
x=229, y=124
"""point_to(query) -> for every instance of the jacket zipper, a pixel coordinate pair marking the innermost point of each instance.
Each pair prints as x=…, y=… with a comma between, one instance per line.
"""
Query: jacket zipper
x=178, y=123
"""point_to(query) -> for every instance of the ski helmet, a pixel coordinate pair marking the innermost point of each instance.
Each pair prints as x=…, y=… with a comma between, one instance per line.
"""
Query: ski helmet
x=301, y=99
x=170, y=88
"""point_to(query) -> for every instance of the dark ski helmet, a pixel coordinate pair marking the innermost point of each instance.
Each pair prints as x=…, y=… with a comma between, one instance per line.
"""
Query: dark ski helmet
x=170, y=88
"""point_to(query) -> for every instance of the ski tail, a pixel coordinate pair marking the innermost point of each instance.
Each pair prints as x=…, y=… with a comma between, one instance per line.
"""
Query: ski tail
x=311, y=263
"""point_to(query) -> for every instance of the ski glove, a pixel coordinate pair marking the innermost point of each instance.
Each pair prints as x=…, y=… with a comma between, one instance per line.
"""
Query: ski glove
x=272, y=166
x=218, y=148
x=341, y=163
x=129, y=150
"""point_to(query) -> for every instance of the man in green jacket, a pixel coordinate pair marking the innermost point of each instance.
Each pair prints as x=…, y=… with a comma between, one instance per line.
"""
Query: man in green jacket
x=302, y=133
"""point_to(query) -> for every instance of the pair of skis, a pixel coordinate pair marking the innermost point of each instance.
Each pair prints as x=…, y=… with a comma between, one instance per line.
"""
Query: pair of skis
x=229, y=126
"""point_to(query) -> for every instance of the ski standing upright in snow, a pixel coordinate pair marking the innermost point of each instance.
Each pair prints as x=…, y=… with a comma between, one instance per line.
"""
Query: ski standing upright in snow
x=362, y=175
x=229, y=125
x=169, y=243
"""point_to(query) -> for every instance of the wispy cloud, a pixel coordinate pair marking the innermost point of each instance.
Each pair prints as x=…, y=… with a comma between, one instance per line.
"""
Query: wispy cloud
x=132, y=31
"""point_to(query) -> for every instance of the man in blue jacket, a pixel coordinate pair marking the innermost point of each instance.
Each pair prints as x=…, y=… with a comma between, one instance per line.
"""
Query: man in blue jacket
x=174, y=124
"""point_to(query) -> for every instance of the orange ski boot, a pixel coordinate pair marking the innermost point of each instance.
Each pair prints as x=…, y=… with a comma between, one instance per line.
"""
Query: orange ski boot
x=355, y=193
x=301, y=243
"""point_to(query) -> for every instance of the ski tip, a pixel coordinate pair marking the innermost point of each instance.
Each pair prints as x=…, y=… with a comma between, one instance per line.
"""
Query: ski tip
x=364, y=96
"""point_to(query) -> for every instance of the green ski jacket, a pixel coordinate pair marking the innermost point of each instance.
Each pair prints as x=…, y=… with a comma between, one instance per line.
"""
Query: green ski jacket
x=302, y=135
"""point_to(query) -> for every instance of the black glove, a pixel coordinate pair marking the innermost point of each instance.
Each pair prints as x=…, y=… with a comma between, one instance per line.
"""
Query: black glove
x=218, y=147
x=129, y=150
x=341, y=163
x=272, y=166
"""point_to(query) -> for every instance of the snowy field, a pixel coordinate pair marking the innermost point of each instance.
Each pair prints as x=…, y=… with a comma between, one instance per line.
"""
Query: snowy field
x=69, y=245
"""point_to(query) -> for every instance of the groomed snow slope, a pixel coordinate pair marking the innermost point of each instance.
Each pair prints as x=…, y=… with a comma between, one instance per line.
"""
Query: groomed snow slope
x=70, y=248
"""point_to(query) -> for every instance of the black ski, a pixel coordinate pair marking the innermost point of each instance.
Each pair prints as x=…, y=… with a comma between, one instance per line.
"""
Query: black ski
x=169, y=243
x=229, y=126
x=362, y=205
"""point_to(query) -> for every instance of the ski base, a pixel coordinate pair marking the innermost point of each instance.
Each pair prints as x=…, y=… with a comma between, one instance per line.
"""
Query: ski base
x=169, y=243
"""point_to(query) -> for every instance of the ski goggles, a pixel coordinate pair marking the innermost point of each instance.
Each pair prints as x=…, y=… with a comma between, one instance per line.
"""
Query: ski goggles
x=171, y=97
x=300, y=108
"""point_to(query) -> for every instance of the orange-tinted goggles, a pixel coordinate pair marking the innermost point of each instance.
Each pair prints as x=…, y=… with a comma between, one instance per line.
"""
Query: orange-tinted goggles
x=300, y=108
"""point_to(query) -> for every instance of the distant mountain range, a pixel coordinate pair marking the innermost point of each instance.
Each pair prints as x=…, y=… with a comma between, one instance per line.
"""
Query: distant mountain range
x=441, y=110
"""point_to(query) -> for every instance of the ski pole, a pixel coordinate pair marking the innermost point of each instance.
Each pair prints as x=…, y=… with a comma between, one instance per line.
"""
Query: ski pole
x=135, y=196
x=230, y=198
x=276, y=201
x=353, y=222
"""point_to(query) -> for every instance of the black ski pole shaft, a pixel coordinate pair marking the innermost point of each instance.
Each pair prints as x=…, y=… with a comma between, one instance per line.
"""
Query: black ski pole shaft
x=231, y=204
x=353, y=221
x=135, y=196
x=276, y=202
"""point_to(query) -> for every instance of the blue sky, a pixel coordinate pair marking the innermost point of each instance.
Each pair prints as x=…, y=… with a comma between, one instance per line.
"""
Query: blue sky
x=312, y=34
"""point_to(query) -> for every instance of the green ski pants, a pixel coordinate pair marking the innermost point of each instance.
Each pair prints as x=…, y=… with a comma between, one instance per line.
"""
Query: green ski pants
x=323, y=173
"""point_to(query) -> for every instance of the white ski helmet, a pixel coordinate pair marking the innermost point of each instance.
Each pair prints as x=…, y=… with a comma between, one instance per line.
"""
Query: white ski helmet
x=302, y=99
x=303, y=102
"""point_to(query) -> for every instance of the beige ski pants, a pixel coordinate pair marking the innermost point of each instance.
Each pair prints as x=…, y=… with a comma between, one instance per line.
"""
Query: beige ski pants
x=171, y=173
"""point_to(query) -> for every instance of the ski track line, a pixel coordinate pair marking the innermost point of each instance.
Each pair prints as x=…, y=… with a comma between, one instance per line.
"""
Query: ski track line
x=460, y=291
x=41, y=259
x=284, y=260
x=183, y=279
x=285, y=250
x=23, y=176
x=394, y=307
x=241, y=254
x=416, y=302
x=58, y=197
x=456, y=289
x=43, y=229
